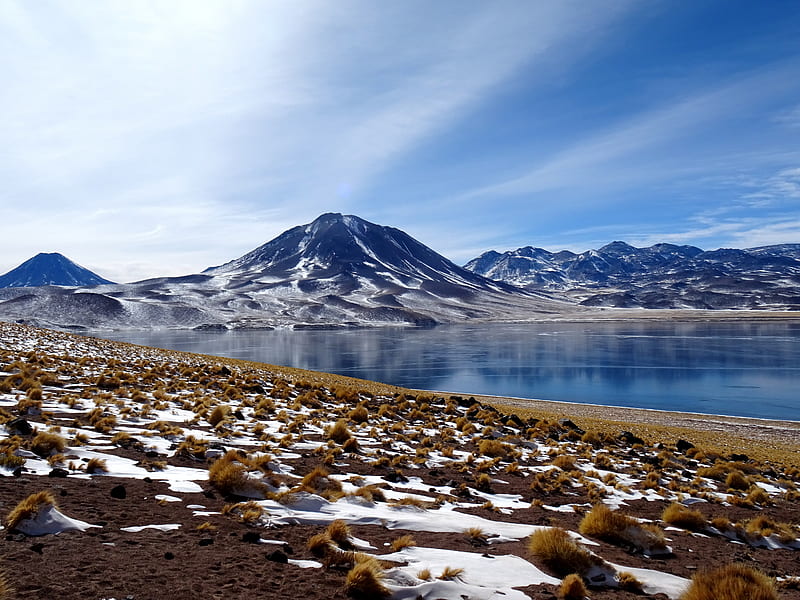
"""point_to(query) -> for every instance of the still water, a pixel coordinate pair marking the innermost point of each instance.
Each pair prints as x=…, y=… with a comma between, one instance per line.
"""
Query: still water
x=745, y=369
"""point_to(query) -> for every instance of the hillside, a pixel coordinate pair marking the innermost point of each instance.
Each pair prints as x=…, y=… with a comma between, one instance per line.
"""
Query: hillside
x=185, y=476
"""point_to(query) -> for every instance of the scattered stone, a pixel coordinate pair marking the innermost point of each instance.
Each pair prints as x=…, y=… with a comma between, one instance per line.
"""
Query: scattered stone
x=683, y=445
x=58, y=472
x=119, y=492
x=278, y=557
x=168, y=555
x=38, y=547
x=630, y=439
x=740, y=457
x=251, y=537
x=19, y=426
x=395, y=477
x=205, y=542
x=568, y=424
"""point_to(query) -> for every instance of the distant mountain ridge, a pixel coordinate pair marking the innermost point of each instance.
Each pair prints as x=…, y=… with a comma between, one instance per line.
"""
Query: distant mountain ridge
x=339, y=270
x=50, y=269
x=659, y=276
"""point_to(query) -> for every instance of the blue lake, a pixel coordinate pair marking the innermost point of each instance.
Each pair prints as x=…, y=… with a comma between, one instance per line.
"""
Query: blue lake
x=747, y=369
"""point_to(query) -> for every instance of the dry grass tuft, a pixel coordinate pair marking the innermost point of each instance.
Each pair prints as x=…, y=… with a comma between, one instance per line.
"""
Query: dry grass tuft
x=685, y=518
x=404, y=541
x=339, y=532
x=365, y=580
x=96, y=465
x=731, y=582
x=229, y=477
x=450, y=573
x=572, y=588
x=45, y=444
x=320, y=544
x=339, y=432
x=622, y=530
x=29, y=507
x=559, y=552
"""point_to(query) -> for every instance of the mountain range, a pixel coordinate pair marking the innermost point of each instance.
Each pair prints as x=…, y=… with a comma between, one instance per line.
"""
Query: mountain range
x=339, y=270
x=659, y=276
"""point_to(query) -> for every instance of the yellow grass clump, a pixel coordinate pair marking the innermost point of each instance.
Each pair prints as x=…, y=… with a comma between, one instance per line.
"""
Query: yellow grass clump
x=404, y=541
x=28, y=508
x=229, y=477
x=339, y=432
x=365, y=580
x=731, y=582
x=45, y=444
x=622, y=530
x=685, y=518
x=555, y=548
x=572, y=588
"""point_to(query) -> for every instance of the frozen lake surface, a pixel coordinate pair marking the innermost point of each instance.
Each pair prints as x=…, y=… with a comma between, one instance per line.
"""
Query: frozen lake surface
x=749, y=369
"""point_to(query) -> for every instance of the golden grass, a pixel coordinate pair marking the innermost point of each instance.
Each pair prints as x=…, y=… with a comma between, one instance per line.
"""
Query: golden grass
x=450, y=573
x=555, y=548
x=685, y=518
x=44, y=444
x=572, y=588
x=96, y=465
x=339, y=432
x=731, y=582
x=28, y=508
x=229, y=477
x=365, y=580
x=339, y=532
x=620, y=529
x=404, y=541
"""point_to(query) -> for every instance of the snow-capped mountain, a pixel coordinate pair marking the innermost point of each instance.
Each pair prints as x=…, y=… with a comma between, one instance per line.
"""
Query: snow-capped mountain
x=659, y=276
x=339, y=270
x=49, y=269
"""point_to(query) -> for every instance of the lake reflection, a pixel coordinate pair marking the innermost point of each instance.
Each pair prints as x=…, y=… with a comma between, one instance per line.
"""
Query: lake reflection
x=747, y=369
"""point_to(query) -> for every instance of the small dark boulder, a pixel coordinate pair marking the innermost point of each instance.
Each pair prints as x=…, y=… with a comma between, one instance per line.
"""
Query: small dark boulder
x=395, y=477
x=119, y=492
x=278, y=557
x=251, y=537
x=58, y=472
x=630, y=439
x=205, y=542
x=568, y=424
x=683, y=445
x=19, y=426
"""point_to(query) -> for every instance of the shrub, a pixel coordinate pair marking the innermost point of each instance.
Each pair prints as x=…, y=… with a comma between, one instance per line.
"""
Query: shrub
x=359, y=414
x=28, y=508
x=620, y=529
x=450, y=573
x=319, y=482
x=96, y=465
x=476, y=536
x=559, y=552
x=45, y=444
x=736, y=480
x=493, y=448
x=339, y=532
x=320, y=544
x=229, y=477
x=219, y=414
x=572, y=588
x=365, y=580
x=339, y=432
x=565, y=462
x=404, y=541
x=686, y=518
x=731, y=582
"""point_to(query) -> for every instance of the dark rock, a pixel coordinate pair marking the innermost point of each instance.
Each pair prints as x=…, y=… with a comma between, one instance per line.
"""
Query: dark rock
x=205, y=542
x=251, y=537
x=740, y=457
x=17, y=472
x=288, y=549
x=38, y=548
x=683, y=445
x=58, y=472
x=147, y=480
x=168, y=555
x=19, y=426
x=630, y=439
x=238, y=414
x=395, y=477
x=567, y=424
x=278, y=557
x=119, y=492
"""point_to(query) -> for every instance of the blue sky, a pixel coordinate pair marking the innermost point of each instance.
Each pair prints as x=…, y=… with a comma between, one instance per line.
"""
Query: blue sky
x=159, y=138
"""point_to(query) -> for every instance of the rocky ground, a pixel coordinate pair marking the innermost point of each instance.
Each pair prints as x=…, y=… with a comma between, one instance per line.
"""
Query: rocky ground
x=189, y=476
